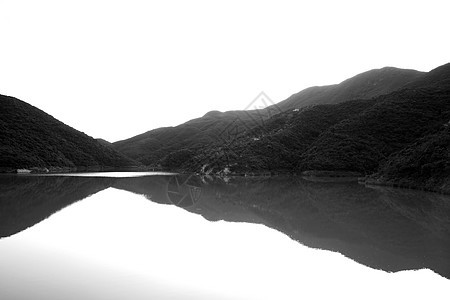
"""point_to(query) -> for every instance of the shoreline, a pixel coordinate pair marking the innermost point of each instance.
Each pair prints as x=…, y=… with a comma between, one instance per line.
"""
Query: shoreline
x=310, y=175
x=79, y=169
x=410, y=185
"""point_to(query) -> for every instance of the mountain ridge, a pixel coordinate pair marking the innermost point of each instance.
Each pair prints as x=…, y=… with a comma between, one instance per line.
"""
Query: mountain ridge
x=365, y=85
x=152, y=146
x=356, y=136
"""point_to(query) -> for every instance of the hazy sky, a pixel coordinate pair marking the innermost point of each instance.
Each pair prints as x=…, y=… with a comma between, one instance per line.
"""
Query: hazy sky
x=114, y=69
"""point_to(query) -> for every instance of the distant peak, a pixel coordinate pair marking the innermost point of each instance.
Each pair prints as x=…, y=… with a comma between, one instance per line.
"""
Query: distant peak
x=444, y=68
x=213, y=113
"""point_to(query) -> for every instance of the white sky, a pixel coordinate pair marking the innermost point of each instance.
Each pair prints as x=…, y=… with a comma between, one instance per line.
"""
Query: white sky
x=114, y=69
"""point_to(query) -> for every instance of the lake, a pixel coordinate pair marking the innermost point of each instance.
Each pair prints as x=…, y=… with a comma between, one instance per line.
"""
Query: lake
x=166, y=236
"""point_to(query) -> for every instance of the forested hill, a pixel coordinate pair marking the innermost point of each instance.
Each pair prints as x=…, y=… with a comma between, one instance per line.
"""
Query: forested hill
x=30, y=138
x=400, y=138
x=350, y=136
x=153, y=146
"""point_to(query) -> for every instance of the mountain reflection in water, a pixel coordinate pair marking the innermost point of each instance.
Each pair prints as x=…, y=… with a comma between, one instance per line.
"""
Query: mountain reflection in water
x=383, y=228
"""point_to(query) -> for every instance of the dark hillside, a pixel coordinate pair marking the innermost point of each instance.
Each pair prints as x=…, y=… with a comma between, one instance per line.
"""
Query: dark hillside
x=390, y=132
x=278, y=144
x=424, y=164
x=153, y=146
x=438, y=77
x=104, y=142
x=31, y=138
x=362, y=142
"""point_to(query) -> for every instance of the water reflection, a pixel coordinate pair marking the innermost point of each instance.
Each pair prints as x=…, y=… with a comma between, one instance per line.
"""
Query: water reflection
x=183, y=192
x=384, y=228
x=27, y=200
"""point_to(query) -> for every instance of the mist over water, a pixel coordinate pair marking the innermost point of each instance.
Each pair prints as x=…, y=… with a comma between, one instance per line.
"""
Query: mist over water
x=187, y=237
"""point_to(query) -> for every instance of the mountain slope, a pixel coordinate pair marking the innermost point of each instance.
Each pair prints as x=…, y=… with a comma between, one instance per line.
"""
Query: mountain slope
x=439, y=76
x=153, y=146
x=31, y=138
x=425, y=164
x=395, y=121
x=104, y=142
x=277, y=145
x=399, y=135
x=366, y=85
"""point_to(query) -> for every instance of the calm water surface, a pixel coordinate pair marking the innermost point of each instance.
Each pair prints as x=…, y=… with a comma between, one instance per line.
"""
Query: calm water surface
x=161, y=236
